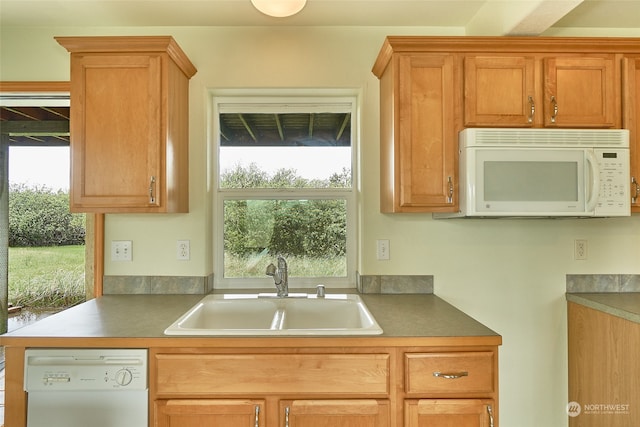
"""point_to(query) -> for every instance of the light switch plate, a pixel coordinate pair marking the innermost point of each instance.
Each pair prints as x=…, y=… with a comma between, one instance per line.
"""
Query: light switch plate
x=121, y=250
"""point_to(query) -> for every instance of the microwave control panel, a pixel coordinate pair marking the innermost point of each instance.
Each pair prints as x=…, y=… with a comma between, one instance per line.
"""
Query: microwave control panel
x=614, y=180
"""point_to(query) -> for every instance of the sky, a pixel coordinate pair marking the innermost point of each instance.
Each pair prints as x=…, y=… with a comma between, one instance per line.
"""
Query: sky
x=49, y=166
x=37, y=166
x=309, y=162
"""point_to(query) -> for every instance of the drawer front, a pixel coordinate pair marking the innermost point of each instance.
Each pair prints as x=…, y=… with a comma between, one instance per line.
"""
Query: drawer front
x=449, y=373
x=362, y=374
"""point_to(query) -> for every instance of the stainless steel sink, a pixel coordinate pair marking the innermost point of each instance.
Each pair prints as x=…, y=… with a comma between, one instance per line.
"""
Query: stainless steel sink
x=263, y=314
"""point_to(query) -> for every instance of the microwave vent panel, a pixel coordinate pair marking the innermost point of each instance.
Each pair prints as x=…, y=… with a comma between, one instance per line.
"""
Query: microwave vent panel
x=547, y=137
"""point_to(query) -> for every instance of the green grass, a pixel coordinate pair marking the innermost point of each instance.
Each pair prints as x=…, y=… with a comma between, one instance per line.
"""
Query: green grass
x=47, y=276
x=256, y=264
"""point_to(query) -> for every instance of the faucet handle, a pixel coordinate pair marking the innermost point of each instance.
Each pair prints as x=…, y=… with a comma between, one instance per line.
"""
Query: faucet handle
x=271, y=270
x=320, y=291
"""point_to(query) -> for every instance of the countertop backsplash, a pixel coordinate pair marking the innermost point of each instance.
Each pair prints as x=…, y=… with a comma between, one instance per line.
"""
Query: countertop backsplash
x=592, y=283
x=158, y=285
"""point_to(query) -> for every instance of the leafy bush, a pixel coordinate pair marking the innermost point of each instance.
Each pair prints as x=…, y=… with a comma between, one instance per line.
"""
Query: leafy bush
x=38, y=216
x=312, y=227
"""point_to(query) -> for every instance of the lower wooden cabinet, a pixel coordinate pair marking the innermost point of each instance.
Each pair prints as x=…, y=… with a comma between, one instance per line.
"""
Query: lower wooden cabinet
x=335, y=413
x=391, y=386
x=449, y=412
x=209, y=412
x=252, y=413
x=604, y=368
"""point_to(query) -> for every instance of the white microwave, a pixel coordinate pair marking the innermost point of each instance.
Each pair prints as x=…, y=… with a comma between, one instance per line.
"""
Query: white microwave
x=543, y=173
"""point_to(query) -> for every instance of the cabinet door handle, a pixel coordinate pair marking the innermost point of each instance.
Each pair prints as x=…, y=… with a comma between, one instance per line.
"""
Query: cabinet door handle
x=636, y=188
x=554, y=105
x=450, y=197
x=490, y=412
x=257, y=421
x=286, y=416
x=152, y=184
x=451, y=375
x=532, y=109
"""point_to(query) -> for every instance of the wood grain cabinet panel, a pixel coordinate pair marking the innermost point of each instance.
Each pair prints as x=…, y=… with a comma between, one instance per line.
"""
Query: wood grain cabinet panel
x=604, y=368
x=418, y=146
x=129, y=124
x=209, y=412
x=581, y=92
x=541, y=91
x=449, y=413
x=346, y=374
x=499, y=91
x=463, y=373
x=335, y=413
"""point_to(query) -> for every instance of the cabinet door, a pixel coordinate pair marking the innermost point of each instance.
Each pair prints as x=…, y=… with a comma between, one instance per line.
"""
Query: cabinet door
x=116, y=131
x=448, y=413
x=631, y=121
x=581, y=92
x=426, y=133
x=335, y=413
x=499, y=91
x=207, y=412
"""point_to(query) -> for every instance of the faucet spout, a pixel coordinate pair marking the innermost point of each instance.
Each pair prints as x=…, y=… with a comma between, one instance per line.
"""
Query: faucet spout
x=280, y=277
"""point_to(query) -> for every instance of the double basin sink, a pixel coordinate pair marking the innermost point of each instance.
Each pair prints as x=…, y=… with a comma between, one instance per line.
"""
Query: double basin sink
x=265, y=314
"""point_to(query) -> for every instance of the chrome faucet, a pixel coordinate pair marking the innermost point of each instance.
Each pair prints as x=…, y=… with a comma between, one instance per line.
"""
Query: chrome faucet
x=280, y=276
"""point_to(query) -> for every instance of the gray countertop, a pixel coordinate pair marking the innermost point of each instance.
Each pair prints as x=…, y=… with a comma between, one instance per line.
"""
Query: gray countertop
x=621, y=304
x=146, y=316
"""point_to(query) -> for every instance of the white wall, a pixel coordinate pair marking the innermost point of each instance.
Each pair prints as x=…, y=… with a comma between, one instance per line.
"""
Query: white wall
x=508, y=274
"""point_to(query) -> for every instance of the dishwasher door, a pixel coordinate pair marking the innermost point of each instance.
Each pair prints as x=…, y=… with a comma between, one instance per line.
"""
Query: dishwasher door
x=87, y=409
x=86, y=387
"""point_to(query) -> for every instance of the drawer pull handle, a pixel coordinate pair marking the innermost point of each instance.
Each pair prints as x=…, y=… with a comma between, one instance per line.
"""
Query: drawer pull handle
x=451, y=375
x=554, y=105
x=152, y=183
x=490, y=411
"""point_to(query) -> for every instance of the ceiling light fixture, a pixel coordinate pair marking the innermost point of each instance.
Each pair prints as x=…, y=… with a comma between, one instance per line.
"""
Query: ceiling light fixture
x=279, y=8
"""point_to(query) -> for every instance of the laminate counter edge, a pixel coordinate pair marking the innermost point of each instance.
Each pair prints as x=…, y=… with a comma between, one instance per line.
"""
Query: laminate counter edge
x=625, y=305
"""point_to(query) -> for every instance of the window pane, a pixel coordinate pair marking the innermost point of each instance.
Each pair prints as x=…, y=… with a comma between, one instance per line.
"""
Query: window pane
x=310, y=234
x=285, y=150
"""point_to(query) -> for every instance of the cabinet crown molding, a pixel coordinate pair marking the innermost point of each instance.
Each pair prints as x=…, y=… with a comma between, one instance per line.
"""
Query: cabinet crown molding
x=142, y=44
x=486, y=44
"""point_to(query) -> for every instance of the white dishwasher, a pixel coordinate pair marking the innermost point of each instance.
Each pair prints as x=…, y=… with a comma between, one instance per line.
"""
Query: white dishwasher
x=86, y=387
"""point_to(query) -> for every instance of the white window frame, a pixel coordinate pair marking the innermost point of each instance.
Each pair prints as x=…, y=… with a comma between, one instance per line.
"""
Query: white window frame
x=308, y=101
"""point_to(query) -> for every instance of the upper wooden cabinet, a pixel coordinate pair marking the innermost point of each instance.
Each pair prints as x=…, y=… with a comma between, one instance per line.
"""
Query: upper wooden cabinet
x=537, y=91
x=581, y=92
x=418, y=149
x=499, y=91
x=129, y=124
x=433, y=87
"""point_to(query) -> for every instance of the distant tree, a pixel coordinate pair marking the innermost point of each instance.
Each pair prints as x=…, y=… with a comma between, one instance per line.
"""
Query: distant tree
x=287, y=227
x=39, y=216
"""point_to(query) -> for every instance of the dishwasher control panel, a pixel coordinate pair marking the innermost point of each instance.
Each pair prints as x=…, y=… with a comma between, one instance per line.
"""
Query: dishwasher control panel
x=85, y=369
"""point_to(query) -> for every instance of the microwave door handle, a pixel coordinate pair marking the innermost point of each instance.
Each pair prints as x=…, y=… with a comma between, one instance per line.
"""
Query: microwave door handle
x=592, y=162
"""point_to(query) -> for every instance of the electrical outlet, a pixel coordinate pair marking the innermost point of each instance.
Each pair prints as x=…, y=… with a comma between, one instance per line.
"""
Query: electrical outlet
x=580, y=249
x=383, y=249
x=184, y=251
x=121, y=250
